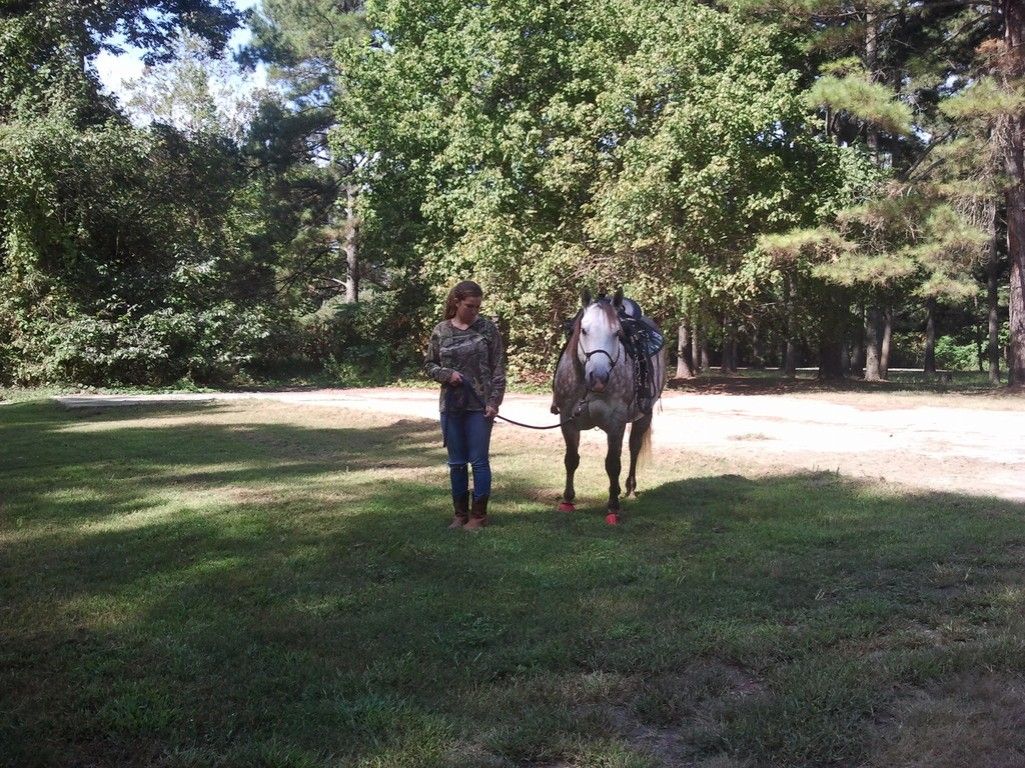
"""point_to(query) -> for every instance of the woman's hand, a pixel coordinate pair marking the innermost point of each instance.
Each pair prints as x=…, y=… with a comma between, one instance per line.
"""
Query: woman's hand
x=490, y=411
x=455, y=379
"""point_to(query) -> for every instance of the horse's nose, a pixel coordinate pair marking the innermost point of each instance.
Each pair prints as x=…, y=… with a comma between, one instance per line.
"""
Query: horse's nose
x=596, y=382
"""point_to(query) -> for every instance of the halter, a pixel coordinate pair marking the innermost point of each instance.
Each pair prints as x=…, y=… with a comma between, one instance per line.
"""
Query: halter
x=587, y=355
x=612, y=362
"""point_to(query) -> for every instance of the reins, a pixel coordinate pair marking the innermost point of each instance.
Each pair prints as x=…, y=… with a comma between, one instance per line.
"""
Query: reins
x=511, y=421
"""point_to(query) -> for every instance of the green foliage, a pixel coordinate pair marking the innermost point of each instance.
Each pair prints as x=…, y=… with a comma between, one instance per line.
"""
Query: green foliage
x=754, y=165
x=871, y=102
x=540, y=149
x=368, y=342
x=906, y=241
x=956, y=357
x=210, y=345
x=197, y=93
x=109, y=273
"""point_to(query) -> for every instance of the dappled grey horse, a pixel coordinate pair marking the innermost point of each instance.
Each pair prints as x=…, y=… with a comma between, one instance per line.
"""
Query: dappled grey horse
x=595, y=386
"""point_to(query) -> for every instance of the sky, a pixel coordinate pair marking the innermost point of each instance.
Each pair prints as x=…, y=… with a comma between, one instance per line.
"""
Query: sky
x=115, y=70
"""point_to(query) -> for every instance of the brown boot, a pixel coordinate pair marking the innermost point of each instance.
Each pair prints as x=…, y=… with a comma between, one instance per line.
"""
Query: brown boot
x=478, y=515
x=462, y=507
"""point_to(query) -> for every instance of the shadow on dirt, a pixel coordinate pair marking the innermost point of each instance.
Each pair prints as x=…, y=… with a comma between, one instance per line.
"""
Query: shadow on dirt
x=716, y=384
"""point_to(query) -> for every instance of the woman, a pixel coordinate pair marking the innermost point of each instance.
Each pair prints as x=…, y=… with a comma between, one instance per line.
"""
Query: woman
x=465, y=356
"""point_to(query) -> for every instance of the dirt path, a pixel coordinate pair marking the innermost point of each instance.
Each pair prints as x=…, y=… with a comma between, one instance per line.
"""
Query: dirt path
x=975, y=447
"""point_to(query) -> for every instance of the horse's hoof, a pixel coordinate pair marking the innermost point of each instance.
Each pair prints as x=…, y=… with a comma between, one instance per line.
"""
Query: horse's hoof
x=567, y=506
x=612, y=518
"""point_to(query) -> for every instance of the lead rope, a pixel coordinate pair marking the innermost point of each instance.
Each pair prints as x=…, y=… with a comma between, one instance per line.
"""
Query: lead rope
x=520, y=423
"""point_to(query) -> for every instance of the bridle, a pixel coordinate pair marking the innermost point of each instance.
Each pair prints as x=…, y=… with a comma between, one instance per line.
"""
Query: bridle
x=612, y=362
x=581, y=352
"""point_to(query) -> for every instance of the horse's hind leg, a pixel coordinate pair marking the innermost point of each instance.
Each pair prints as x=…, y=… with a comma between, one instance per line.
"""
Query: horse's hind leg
x=638, y=432
x=571, y=435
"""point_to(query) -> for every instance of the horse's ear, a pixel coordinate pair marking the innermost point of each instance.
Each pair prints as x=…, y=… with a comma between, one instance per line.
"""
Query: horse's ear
x=585, y=296
x=617, y=298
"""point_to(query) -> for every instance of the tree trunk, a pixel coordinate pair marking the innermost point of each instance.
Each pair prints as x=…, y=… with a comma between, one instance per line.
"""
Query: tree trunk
x=728, y=364
x=858, y=361
x=873, y=335
x=757, y=353
x=790, y=360
x=351, y=247
x=790, y=353
x=884, y=346
x=871, y=64
x=830, y=359
x=724, y=357
x=683, y=370
x=992, y=304
x=1014, y=165
x=978, y=335
x=695, y=346
x=930, y=338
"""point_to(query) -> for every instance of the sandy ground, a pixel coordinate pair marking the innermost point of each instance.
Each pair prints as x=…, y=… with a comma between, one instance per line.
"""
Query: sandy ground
x=967, y=446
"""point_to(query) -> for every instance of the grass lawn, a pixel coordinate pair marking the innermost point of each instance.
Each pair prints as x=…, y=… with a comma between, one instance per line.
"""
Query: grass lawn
x=260, y=585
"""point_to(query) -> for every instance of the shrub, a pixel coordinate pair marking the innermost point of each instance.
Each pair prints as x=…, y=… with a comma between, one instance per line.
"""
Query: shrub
x=956, y=357
x=364, y=343
x=209, y=346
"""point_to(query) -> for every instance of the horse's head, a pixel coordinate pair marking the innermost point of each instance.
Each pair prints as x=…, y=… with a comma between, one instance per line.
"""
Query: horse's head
x=599, y=348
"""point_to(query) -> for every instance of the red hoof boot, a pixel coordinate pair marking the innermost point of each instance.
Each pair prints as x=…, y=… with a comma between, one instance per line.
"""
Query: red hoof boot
x=567, y=506
x=612, y=518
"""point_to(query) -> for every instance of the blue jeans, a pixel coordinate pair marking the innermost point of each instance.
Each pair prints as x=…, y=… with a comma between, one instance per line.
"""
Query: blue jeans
x=468, y=438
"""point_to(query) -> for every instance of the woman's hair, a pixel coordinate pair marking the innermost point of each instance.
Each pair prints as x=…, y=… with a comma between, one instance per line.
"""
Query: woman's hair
x=458, y=293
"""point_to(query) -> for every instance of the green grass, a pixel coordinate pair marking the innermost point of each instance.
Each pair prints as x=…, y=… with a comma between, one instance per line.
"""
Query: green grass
x=257, y=585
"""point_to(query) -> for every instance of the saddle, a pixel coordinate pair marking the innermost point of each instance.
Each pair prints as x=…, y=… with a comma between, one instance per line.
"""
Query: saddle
x=642, y=341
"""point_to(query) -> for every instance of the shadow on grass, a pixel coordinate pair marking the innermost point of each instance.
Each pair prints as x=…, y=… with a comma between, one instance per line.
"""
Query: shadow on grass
x=91, y=464
x=334, y=618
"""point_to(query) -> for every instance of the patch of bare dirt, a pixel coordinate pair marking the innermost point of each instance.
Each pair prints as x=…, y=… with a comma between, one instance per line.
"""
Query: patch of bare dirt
x=663, y=718
x=976, y=720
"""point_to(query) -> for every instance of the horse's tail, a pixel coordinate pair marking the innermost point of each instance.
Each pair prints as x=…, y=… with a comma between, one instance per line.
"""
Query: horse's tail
x=644, y=454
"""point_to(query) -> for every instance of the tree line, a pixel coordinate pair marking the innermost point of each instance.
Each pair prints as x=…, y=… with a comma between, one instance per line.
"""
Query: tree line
x=821, y=182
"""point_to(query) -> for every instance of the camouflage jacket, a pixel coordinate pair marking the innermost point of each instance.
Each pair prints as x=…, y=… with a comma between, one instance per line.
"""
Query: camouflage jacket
x=478, y=356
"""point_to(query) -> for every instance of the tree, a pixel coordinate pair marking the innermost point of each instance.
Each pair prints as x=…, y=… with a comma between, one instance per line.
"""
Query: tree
x=196, y=93
x=1011, y=69
x=47, y=46
x=125, y=252
x=539, y=147
x=298, y=39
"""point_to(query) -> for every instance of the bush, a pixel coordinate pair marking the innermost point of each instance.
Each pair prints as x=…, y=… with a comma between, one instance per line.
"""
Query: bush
x=163, y=347
x=365, y=343
x=907, y=350
x=956, y=357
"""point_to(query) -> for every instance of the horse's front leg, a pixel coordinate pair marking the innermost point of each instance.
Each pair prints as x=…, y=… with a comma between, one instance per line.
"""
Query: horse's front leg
x=613, y=465
x=638, y=432
x=571, y=434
